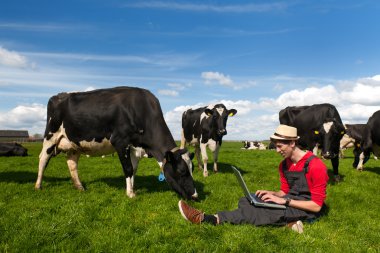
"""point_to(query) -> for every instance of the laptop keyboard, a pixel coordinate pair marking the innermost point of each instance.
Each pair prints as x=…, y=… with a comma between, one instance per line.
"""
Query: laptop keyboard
x=257, y=198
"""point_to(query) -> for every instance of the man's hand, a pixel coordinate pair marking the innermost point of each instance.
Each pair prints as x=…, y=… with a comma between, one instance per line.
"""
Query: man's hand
x=276, y=197
x=270, y=197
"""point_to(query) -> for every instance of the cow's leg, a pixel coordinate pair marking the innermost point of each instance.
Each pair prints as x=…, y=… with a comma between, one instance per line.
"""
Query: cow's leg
x=204, y=158
x=357, y=151
x=45, y=155
x=361, y=162
x=214, y=147
x=376, y=151
x=335, y=165
x=72, y=162
x=216, y=153
x=198, y=155
x=126, y=163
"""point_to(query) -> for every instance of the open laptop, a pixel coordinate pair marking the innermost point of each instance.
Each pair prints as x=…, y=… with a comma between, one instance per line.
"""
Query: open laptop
x=252, y=198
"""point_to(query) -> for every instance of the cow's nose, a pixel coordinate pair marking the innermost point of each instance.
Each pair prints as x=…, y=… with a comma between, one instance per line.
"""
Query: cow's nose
x=195, y=195
x=326, y=155
x=222, y=132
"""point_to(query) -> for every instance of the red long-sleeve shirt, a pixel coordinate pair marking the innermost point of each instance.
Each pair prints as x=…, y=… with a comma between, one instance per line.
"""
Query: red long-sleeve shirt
x=316, y=177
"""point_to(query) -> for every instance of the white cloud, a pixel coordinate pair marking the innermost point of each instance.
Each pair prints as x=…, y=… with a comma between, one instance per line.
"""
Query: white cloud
x=171, y=93
x=220, y=78
x=179, y=86
x=12, y=59
x=363, y=94
x=30, y=117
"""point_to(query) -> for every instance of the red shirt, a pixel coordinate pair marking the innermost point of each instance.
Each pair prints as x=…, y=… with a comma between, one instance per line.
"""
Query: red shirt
x=316, y=177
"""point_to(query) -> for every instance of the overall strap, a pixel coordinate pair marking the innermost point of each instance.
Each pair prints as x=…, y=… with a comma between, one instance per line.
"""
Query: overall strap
x=284, y=167
x=306, y=166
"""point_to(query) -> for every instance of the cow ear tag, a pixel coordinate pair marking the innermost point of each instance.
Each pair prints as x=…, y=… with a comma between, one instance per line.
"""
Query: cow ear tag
x=342, y=132
x=231, y=114
x=316, y=132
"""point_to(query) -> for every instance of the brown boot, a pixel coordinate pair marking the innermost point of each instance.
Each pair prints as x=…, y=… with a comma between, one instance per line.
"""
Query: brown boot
x=189, y=213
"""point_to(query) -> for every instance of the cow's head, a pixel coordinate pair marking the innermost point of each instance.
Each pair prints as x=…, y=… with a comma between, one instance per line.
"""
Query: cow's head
x=219, y=115
x=329, y=135
x=19, y=150
x=178, y=171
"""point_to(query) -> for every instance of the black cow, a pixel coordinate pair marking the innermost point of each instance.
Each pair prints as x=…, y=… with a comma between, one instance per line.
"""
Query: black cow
x=317, y=125
x=204, y=127
x=12, y=149
x=123, y=119
x=371, y=140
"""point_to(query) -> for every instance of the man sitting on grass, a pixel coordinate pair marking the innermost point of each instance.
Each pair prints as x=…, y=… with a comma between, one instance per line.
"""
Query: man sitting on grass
x=303, y=179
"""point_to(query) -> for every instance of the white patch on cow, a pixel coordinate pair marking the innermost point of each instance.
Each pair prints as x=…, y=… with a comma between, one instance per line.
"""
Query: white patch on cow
x=129, y=191
x=327, y=126
x=220, y=110
x=94, y=148
x=188, y=162
x=203, y=115
x=345, y=141
x=212, y=145
x=194, y=141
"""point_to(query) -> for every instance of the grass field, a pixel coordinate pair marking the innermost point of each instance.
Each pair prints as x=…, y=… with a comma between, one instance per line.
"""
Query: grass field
x=103, y=219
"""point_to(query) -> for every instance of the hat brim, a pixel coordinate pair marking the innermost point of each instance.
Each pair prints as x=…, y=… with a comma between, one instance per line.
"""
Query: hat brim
x=287, y=138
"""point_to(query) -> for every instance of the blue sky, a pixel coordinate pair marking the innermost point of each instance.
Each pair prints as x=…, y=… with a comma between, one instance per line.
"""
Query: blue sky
x=255, y=56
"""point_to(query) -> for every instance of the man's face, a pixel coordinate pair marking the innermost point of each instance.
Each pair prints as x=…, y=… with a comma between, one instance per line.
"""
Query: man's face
x=285, y=149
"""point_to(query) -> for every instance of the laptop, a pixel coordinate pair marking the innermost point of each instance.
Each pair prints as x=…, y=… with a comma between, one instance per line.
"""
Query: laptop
x=252, y=198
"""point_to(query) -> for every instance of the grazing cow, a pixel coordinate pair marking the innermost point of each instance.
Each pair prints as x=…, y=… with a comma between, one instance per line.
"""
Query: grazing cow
x=254, y=145
x=12, y=149
x=352, y=138
x=125, y=120
x=204, y=127
x=371, y=140
x=318, y=125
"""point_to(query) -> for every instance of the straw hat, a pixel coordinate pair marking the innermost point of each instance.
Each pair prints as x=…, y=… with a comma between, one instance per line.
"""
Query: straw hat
x=284, y=132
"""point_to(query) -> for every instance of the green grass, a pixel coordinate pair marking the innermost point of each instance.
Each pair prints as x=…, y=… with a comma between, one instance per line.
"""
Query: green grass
x=103, y=219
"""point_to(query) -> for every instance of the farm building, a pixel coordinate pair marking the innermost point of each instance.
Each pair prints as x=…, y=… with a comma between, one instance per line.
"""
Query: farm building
x=14, y=135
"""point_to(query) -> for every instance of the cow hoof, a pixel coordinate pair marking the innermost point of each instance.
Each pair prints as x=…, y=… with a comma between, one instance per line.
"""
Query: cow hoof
x=205, y=173
x=131, y=194
x=215, y=171
x=37, y=188
x=80, y=188
x=337, y=178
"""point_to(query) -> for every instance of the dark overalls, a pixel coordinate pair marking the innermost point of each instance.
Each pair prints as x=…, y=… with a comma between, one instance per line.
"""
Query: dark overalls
x=299, y=190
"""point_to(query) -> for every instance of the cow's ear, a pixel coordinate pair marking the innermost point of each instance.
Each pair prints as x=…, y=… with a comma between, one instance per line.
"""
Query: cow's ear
x=208, y=112
x=231, y=112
